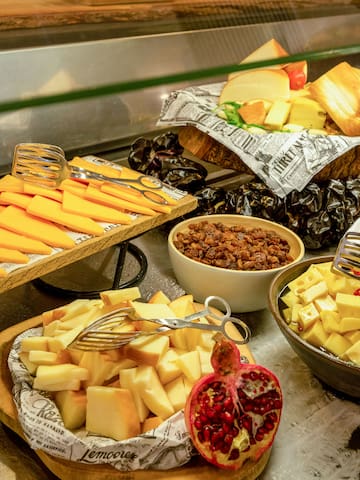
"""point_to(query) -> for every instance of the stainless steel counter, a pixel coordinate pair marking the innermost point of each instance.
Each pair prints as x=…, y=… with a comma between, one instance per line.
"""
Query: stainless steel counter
x=319, y=431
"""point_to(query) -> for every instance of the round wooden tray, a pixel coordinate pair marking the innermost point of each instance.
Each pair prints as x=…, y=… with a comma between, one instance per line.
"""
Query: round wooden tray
x=196, y=469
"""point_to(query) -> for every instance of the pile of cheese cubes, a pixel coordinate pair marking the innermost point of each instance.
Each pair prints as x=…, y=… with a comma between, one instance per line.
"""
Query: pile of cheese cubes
x=324, y=309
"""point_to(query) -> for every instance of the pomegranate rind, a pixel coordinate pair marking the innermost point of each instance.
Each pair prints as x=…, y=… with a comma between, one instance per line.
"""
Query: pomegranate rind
x=233, y=414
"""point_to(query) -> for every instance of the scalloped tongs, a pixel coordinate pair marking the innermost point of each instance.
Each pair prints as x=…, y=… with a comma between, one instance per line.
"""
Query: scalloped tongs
x=102, y=334
x=46, y=165
x=347, y=256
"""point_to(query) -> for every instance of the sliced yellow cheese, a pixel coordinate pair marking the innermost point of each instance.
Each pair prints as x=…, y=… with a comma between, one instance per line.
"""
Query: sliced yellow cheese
x=15, y=198
x=12, y=256
x=102, y=213
x=106, y=170
x=33, y=189
x=73, y=186
x=8, y=183
x=24, y=244
x=124, y=173
x=49, y=209
x=134, y=196
x=96, y=195
x=19, y=221
x=3, y=273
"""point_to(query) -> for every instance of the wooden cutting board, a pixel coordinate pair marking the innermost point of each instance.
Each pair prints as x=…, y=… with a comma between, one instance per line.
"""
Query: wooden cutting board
x=89, y=247
x=196, y=469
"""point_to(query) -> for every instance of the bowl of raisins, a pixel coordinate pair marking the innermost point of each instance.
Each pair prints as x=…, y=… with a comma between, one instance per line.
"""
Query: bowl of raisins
x=231, y=256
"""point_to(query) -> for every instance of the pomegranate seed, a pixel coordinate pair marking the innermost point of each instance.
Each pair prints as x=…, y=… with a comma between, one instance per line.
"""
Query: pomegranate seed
x=268, y=425
x=225, y=448
x=228, y=439
x=234, y=454
x=227, y=417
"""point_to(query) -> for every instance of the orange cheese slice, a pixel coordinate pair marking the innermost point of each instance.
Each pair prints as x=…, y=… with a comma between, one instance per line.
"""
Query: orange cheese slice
x=52, y=210
x=134, y=197
x=14, y=198
x=24, y=244
x=124, y=173
x=19, y=221
x=101, y=213
x=106, y=170
x=12, y=256
x=3, y=273
x=96, y=195
x=73, y=186
x=34, y=189
x=8, y=183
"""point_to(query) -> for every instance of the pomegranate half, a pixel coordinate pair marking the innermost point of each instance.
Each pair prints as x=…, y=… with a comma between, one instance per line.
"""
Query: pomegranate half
x=233, y=414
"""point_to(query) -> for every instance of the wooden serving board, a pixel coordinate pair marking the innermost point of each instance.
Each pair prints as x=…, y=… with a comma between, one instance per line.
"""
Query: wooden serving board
x=89, y=247
x=196, y=469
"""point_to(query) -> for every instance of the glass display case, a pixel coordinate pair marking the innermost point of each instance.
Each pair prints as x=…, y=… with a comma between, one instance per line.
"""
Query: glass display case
x=94, y=75
x=91, y=76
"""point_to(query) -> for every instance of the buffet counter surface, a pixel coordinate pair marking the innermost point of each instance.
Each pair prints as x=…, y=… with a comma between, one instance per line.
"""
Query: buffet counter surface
x=319, y=434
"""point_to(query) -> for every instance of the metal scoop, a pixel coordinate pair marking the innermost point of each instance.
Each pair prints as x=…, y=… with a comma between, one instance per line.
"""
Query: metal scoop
x=46, y=165
x=347, y=256
x=102, y=335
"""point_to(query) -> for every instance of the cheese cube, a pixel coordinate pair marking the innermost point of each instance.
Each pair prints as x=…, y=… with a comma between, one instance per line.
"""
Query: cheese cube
x=148, y=384
x=305, y=280
x=111, y=412
x=307, y=112
x=277, y=115
x=72, y=407
x=337, y=344
x=320, y=289
x=347, y=324
x=176, y=392
x=167, y=367
x=127, y=380
x=326, y=303
x=348, y=305
x=330, y=321
x=290, y=298
x=189, y=363
x=147, y=349
x=315, y=335
x=353, y=353
x=353, y=336
x=307, y=316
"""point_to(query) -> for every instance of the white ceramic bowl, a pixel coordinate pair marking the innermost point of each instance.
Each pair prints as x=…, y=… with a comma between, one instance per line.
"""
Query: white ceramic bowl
x=245, y=291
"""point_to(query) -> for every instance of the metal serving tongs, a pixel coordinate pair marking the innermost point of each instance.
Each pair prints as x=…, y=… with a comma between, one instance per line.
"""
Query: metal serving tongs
x=347, y=256
x=102, y=335
x=46, y=165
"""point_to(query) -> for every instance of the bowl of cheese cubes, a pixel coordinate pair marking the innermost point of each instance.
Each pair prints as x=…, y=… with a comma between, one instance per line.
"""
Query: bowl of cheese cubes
x=318, y=312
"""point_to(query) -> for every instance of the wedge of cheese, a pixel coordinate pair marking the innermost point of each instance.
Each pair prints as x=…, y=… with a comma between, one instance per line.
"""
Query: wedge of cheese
x=24, y=244
x=270, y=84
x=33, y=189
x=19, y=221
x=15, y=198
x=133, y=196
x=49, y=209
x=12, y=256
x=103, y=169
x=102, y=213
x=96, y=195
x=73, y=186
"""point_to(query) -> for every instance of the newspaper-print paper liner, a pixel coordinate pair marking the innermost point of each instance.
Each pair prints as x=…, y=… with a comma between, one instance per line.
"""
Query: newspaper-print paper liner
x=284, y=161
x=167, y=446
